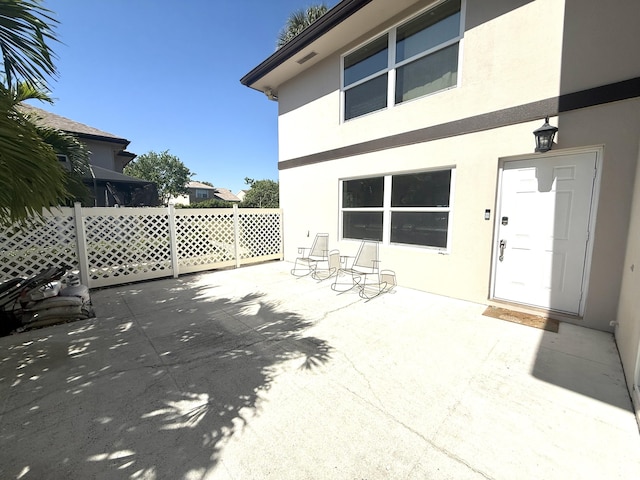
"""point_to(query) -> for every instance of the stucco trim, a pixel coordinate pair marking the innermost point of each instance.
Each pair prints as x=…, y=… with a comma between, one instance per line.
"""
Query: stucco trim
x=612, y=92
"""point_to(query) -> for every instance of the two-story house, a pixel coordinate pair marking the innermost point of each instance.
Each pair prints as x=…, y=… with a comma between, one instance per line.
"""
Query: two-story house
x=414, y=120
x=200, y=192
x=108, y=156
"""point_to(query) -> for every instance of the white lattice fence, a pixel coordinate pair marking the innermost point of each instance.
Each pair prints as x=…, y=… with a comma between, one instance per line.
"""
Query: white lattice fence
x=260, y=233
x=51, y=243
x=205, y=239
x=111, y=246
x=127, y=244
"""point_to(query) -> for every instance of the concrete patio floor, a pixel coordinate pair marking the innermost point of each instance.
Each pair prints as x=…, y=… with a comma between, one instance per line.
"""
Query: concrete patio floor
x=253, y=374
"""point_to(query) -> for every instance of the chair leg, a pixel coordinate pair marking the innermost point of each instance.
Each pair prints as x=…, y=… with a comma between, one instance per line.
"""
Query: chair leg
x=355, y=281
x=305, y=269
x=386, y=280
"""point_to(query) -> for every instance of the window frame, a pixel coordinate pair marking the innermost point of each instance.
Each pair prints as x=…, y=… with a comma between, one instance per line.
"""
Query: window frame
x=200, y=192
x=387, y=210
x=393, y=66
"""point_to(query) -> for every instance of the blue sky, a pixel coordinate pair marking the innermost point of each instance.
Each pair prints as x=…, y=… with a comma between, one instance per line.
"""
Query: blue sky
x=165, y=74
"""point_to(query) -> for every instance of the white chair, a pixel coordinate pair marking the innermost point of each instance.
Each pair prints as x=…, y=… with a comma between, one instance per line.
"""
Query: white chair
x=306, y=262
x=327, y=268
x=363, y=272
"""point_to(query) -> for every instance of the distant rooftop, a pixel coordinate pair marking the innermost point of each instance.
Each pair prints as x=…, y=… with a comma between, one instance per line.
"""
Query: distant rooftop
x=194, y=184
x=221, y=193
x=52, y=120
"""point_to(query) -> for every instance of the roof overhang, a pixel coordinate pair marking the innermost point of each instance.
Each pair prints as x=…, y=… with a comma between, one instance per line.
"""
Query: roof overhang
x=106, y=175
x=343, y=24
x=88, y=136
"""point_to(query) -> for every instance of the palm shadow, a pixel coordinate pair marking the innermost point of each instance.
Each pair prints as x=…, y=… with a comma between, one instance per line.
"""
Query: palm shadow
x=136, y=394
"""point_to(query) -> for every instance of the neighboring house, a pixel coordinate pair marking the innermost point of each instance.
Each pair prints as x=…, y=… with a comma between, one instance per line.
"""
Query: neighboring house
x=108, y=156
x=241, y=194
x=413, y=121
x=200, y=192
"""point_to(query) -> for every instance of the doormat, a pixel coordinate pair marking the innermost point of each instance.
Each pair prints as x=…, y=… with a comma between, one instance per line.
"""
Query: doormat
x=535, y=321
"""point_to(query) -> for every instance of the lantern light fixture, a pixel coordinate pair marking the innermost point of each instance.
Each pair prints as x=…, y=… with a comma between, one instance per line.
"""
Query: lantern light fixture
x=544, y=136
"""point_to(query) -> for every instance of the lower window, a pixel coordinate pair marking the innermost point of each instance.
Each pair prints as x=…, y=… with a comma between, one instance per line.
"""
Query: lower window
x=409, y=209
x=362, y=225
x=420, y=228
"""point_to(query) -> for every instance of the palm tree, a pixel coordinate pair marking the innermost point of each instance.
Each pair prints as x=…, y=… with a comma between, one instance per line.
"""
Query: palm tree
x=25, y=28
x=298, y=21
x=78, y=161
x=31, y=177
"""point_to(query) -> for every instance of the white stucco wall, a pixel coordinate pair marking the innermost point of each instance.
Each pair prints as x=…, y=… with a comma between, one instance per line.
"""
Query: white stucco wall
x=466, y=271
x=501, y=66
x=628, y=330
x=600, y=43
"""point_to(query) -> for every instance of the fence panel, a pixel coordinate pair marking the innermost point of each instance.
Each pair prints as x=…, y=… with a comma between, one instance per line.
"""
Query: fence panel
x=260, y=234
x=205, y=238
x=53, y=242
x=121, y=245
x=126, y=244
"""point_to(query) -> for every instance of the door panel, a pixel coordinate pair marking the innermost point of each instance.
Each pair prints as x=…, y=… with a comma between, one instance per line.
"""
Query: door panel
x=544, y=219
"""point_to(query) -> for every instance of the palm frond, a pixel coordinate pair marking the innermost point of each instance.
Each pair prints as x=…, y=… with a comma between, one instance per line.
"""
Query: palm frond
x=30, y=175
x=25, y=28
x=298, y=21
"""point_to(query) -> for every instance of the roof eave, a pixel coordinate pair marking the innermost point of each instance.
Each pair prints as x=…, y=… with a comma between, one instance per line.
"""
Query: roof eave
x=313, y=32
x=88, y=136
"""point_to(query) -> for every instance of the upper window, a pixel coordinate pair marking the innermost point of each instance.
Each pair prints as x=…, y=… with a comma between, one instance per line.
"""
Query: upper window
x=417, y=58
x=410, y=209
x=201, y=193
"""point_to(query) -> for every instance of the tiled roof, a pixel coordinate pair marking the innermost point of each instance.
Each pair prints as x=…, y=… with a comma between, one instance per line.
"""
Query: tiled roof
x=226, y=195
x=194, y=184
x=52, y=120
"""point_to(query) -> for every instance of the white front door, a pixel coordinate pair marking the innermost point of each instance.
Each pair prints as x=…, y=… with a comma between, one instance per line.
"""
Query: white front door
x=543, y=230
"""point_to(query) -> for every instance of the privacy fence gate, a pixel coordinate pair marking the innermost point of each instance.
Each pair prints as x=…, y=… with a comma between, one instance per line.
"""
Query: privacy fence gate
x=111, y=246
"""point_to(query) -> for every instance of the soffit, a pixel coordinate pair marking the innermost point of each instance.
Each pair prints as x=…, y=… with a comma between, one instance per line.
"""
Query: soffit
x=375, y=13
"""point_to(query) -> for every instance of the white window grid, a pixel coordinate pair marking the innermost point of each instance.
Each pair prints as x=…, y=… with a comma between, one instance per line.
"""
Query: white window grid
x=391, y=60
x=387, y=209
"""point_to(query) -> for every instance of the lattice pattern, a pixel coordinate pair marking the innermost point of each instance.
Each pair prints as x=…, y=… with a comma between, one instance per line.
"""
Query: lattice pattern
x=205, y=238
x=259, y=234
x=25, y=253
x=128, y=246
x=125, y=245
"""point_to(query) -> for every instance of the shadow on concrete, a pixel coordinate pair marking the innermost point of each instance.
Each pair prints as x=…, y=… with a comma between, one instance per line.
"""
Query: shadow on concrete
x=154, y=397
x=582, y=362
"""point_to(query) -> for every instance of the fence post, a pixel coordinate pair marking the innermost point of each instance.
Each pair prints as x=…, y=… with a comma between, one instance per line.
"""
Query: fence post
x=236, y=234
x=173, y=239
x=281, y=234
x=81, y=243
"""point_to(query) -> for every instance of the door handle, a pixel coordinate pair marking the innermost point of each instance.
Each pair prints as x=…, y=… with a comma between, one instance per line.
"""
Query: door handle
x=503, y=245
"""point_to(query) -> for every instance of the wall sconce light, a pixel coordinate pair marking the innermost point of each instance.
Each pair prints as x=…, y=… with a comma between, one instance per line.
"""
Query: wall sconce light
x=544, y=136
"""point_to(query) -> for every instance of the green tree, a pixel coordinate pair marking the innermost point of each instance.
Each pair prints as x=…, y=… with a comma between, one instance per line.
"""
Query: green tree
x=261, y=194
x=211, y=203
x=31, y=177
x=298, y=21
x=167, y=171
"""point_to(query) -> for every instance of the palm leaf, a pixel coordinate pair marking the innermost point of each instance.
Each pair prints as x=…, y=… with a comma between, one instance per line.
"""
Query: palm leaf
x=30, y=175
x=298, y=21
x=25, y=28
